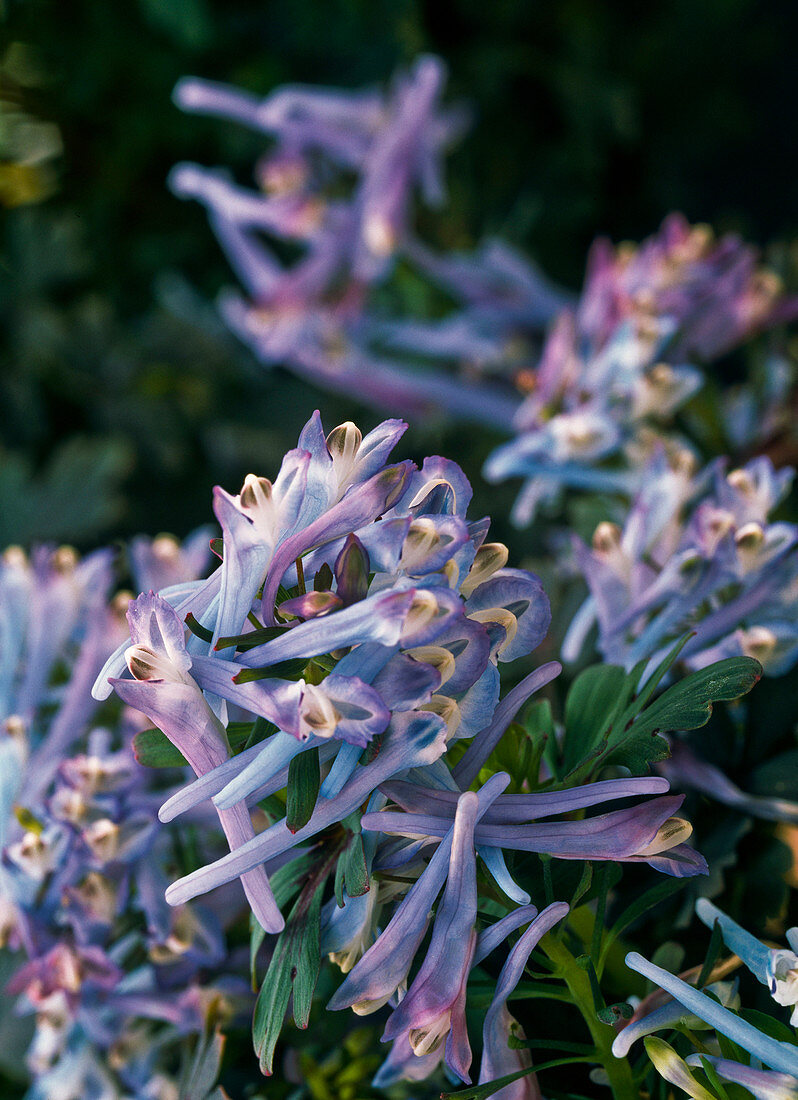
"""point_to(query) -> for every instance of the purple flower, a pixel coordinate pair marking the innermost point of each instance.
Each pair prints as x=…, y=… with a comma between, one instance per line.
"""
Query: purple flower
x=163, y=689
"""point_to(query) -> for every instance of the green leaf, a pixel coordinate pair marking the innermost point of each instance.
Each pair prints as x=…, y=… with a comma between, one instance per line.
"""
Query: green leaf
x=688, y=704
x=199, y=1075
x=272, y=1002
x=712, y=1077
x=153, y=749
x=481, y=1092
x=633, y=737
x=540, y=731
x=308, y=961
x=356, y=875
x=257, y=934
x=294, y=967
x=304, y=779
x=590, y=707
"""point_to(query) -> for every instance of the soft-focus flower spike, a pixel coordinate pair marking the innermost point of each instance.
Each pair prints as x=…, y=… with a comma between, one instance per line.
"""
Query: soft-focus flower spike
x=162, y=562
x=704, y=565
x=772, y=1052
x=762, y=1084
x=412, y=739
x=614, y=371
x=684, y=769
x=498, y=1059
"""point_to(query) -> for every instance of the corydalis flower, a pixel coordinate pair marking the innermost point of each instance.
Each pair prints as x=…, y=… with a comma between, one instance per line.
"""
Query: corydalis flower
x=315, y=316
x=616, y=369
x=696, y=552
x=774, y=968
x=163, y=688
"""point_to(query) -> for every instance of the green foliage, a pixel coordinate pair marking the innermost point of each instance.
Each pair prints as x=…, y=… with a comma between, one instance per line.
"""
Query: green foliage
x=608, y=720
x=153, y=749
x=294, y=968
x=74, y=497
x=304, y=779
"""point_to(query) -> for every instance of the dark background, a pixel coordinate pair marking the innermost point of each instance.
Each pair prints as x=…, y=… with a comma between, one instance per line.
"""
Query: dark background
x=588, y=118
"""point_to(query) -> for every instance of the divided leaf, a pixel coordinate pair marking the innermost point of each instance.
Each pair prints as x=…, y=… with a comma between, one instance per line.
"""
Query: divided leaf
x=608, y=722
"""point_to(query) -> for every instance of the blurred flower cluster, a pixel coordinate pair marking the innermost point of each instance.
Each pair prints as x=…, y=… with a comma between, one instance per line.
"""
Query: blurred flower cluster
x=336, y=197
x=698, y=552
x=114, y=981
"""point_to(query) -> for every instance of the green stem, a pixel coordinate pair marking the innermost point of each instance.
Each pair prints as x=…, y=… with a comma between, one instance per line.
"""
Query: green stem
x=618, y=1070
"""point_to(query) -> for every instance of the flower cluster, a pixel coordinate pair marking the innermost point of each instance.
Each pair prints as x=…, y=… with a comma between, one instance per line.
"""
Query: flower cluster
x=360, y=615
x=615, y=370
x=316, y=315
x=588, y=405
x=108, y=971
x=697, y=552
x=682, y=1005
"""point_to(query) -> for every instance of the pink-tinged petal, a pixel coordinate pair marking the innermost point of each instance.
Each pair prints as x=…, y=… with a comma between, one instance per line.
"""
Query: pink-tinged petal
x=279, y=701
x=155, y=623
x=498, y=1059
x=362, y=504
x=511, y=809
x=246, y=559
x=386, y=964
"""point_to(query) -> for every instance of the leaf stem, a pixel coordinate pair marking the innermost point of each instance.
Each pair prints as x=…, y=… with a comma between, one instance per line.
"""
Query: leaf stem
x=577, y=980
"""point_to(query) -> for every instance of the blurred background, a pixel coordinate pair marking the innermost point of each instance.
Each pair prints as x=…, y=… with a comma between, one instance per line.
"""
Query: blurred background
x=123, y=399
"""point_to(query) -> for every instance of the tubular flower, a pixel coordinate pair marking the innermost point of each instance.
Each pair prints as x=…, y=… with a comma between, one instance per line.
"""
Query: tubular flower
x=774, y=968
x=615, y=370
x=89, y=944
x=315, y=316
x=699, y=553
x=414, y=605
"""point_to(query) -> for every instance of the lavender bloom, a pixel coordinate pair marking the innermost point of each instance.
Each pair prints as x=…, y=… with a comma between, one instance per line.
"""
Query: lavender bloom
x=697, y=552
x=82, y=849
x=162, y=562
x=498, y=1059
x=685, y=769
x=648, y=832
x=314, y=316
x=426, y=631
x=163, y=688
x=615, y=370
